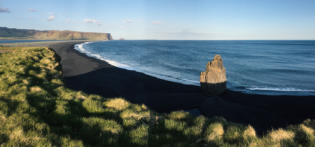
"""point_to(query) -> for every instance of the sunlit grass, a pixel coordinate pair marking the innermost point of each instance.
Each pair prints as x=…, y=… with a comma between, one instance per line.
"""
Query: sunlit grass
x=36, y=109
x=3, y=47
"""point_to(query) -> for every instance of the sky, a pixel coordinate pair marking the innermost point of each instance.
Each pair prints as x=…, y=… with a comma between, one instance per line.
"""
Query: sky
x=167, y=19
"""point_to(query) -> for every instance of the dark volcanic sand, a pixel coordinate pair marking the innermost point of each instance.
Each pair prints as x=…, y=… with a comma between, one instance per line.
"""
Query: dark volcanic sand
x=263, y=112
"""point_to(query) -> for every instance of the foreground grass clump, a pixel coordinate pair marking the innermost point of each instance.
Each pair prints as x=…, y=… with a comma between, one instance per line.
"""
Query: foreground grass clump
x=36, y=109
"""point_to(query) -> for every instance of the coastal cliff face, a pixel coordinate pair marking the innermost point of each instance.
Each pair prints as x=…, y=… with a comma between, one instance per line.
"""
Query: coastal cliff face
x=52, y=35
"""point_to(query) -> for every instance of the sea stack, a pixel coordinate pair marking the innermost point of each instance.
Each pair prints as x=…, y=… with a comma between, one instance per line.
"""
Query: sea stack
x=213, y=80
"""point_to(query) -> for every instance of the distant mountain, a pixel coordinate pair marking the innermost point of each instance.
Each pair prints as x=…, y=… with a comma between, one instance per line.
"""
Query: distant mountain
x=7, y=33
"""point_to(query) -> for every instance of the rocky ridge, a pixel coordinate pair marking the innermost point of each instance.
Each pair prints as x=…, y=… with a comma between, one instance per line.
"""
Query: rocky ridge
x=13, y=33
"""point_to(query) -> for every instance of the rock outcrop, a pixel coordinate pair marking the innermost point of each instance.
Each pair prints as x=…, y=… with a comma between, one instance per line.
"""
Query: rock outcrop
x=213, y=80
x=51, y=35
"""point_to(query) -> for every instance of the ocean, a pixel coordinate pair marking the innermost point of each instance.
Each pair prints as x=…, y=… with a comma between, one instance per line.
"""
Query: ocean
x=258, y=67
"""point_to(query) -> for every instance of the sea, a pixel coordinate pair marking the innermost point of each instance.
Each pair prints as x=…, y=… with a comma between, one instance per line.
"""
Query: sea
x=268, y=67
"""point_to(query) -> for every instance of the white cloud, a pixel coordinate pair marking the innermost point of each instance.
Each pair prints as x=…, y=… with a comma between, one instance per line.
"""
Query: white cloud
x=69, y=20
x=4, y=10
x=188, y=31
x=97, y=22
x=49, y=13
x=50, y=18
x=123, y=27
x=63, y=13
x=31, y=10
x=158, y=23
x=89, y=20
x=128, y=21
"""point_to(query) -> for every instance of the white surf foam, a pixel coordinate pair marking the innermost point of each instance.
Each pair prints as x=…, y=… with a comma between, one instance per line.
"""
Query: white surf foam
x=280, y=89
x=81, y=49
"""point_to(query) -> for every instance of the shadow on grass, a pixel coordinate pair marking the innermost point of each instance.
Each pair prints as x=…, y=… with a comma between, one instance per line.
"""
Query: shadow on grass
x=108, y=127
x=73, y=120
x=260, y=111
x=90, y=122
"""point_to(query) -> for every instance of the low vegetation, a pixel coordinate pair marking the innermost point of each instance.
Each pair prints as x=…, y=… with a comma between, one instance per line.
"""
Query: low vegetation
x=36, y=109
x=3, y=47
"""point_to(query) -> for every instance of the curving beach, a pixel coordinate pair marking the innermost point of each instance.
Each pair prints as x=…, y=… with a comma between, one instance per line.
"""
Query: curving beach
x=263, y=112
x=129, y=73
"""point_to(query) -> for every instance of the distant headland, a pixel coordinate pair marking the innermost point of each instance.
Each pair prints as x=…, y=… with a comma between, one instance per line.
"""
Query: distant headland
x=12, y=33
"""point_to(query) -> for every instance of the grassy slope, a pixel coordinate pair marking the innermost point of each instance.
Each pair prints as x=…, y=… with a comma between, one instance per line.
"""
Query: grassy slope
x=10, y=48
x=36, y=109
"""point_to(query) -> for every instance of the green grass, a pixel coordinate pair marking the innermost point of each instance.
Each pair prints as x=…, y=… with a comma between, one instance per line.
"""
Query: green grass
x=2, y=47
x=36, y=109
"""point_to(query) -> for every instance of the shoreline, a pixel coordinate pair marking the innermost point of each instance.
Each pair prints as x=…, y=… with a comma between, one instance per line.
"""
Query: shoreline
x=263, y=112
x=187, y=80
x=87, y=68
x=127, y=67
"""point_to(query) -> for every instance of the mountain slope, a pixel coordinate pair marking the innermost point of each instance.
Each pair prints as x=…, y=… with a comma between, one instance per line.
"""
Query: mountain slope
x=52, y=35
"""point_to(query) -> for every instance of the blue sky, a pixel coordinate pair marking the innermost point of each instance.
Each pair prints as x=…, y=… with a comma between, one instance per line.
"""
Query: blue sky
x=167, y=19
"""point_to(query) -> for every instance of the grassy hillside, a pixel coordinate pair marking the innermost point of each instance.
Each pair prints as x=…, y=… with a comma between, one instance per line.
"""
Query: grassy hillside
x=36, y=109
x=2, y=47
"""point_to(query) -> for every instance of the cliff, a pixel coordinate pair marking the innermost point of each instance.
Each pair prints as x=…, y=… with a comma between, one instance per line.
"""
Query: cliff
x=51, y=35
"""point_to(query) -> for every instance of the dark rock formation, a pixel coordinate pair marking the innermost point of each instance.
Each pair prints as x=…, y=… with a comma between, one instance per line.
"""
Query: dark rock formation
x=51, y=35
x=213, y=80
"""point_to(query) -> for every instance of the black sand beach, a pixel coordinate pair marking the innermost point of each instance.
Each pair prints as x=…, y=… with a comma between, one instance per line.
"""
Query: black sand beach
x=263, y=112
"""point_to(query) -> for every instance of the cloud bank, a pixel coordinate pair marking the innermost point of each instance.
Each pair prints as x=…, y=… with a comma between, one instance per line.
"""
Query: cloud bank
x=31, y=10
x=128, y=21
x=96, y=22
x=158, y=23
x=69, y=20
x=50, y=18
x=4, y=10
x=49, y=13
